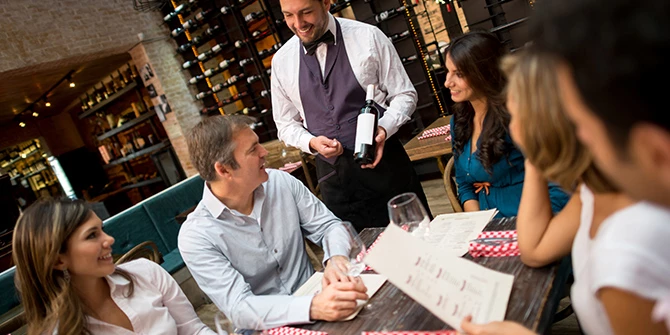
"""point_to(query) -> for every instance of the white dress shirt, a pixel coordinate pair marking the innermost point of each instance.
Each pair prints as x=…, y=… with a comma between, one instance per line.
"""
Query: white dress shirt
x=373, y=59
x=261, y=257
x=629, y=252
x=157, y=306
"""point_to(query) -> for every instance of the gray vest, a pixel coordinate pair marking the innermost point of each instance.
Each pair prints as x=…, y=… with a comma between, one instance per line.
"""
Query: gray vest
x=332, y=104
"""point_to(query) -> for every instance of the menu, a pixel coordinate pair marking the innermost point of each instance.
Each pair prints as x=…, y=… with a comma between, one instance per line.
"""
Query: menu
x=448, y=286
x=453, y=232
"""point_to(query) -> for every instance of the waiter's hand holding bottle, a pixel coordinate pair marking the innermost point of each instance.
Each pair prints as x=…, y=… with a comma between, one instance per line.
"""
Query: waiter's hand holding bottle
x=326, y=147
x=379, y=150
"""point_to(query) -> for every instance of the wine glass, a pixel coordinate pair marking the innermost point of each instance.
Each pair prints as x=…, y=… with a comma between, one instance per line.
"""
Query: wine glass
x=356, y=250
x=406, y=211
x=225, y=326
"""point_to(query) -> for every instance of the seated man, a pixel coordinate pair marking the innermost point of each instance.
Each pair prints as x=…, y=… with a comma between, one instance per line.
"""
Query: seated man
x=244, y=241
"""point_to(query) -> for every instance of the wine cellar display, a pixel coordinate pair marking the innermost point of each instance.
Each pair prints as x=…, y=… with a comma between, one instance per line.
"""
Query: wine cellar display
x=227, y=48
x=27, y=166
x=125, y=129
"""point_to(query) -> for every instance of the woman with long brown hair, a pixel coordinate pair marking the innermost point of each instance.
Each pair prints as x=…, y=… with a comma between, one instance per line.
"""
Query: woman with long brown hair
x=70, y=285
x=619, y=265
x=489, y=168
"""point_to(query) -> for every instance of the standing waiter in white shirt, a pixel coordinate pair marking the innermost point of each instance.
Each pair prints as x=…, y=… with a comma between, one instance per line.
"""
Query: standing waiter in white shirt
x=318, y=81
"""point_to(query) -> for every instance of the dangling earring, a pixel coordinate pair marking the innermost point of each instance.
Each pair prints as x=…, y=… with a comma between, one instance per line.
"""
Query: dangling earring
x=66, y=275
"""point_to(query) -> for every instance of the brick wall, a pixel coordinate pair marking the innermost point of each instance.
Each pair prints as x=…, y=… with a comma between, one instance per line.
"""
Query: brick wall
x=38, y=34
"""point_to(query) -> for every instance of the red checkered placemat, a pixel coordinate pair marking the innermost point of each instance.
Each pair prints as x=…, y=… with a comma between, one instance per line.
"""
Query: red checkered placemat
x=437, y=131
x=412, y=332
x=294, y=331
x=502, y=250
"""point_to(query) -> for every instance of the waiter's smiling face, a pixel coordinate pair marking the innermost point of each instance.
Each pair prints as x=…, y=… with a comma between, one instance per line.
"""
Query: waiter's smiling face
x=308, y=19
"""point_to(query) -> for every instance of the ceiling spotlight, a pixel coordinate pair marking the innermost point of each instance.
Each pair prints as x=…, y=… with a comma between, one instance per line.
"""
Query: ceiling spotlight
x=35, y=114
x=72, y=84
x=22, y=124
x=47, y=103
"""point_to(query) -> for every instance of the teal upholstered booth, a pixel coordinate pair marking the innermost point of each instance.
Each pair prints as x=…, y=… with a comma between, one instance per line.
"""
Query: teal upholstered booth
x=150, y=220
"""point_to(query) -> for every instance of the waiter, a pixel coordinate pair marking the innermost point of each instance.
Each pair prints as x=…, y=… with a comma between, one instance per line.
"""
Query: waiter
x=318, y=81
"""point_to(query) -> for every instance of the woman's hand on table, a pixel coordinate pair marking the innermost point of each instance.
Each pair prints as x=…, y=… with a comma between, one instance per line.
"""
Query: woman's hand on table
x=494, y=328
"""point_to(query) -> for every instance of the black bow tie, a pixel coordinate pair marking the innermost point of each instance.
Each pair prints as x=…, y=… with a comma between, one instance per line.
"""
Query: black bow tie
x=327, y=38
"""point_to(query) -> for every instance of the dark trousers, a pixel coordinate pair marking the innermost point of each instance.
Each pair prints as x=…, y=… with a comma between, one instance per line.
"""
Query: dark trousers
x=360, y=196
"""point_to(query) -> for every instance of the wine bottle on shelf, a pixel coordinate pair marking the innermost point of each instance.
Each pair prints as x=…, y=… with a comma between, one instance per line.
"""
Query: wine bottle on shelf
x=116, y=86
x=267, y=52
x=232, y=99
x=265, y=93
x=132, y=71
x=246, y=61
x=98, y=96
x=105, y=92
x=225, y=10
x=189, y=25
x=366, y=130
x=123, y=77
x=234, y=79
x=210, y=72
x=259, y=35
x=399, y=36
x=336, y=7
x=254, y=16
x=247, y=110
x=89, y=100
x=253, y=79
x=181, y=9
x=84, y=105
x=211, y=52
x=389, y=14
x=200, y=39
x=190, y=63
x=408, y=60
x=202, y=15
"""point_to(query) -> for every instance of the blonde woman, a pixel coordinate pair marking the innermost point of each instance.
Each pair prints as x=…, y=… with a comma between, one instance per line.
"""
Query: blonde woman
x=70, y=285
x=620, y=269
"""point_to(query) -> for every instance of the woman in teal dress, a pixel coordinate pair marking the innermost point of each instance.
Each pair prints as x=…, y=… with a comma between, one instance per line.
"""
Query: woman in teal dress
x=489, y=169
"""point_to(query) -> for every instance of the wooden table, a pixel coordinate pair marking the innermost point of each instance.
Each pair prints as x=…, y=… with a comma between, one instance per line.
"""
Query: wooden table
x=430, y=147
x=533, y=301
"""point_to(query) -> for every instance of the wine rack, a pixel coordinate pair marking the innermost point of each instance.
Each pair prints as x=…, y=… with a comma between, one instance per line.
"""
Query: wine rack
x=227, y=46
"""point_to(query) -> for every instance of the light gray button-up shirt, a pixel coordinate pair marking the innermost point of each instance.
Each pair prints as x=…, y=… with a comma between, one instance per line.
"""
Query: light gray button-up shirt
x=260, y=257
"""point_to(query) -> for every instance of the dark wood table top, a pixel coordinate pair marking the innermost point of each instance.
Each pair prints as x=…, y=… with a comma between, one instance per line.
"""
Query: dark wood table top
x=533, y=301
x=430, y=147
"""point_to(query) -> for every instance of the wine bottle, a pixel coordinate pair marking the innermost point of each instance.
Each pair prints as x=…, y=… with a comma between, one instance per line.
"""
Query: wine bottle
x=210, y=72
x=189, y=25
x=247, y=110
x=98, y=96
x=399, y=36
x=114, y=83
x=105, y=91
x=408, y=60
x=190, y=63
x=200, y=39
x=246, y=61
x=389, y=14
x=254, y=16
x=366, y=130
x=183, y=9
x=267, y=52
x=259, y=35
x=123, y=77
x=211, y=52
x=225, y=10
x=89, y=100
x=336, y=7
x=253, y=79
x=201, y=16
x=84, y=105
x=265, y=93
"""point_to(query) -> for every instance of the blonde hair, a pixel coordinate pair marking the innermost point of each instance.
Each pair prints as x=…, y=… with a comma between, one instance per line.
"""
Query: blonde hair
x=41, y=234
x=549, y=137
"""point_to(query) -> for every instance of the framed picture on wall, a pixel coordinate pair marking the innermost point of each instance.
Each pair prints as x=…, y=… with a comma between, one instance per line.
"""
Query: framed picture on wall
x=146, y=73
x=152, y=91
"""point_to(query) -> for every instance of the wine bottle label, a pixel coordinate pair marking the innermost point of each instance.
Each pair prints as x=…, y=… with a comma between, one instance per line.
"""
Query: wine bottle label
x=187, y=25
x=217, y=88
x=216, y=48
x=200, y=95
x=200, y=16
x=256, y=33
x=193, y=80
x=186, y=65
x=202, y=56
x=239, y=44
x=225, y=10
x=209, y=72
x=382, y=16
x=365, y=129
x=176, y=32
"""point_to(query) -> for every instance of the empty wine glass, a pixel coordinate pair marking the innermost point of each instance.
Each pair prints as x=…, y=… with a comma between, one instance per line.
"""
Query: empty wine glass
x=406, y=211
x=225, y=326
x=356, y=253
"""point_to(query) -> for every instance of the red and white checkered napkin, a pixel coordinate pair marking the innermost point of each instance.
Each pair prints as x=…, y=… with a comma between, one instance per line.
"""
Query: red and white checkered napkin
x=437, y=131
x=413, y=332
x=294, y=331
x=502, y=250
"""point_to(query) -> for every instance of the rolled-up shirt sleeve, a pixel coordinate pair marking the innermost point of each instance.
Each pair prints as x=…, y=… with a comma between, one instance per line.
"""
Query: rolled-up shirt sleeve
x=401, y=96
x=286, y=116
x=227, y=288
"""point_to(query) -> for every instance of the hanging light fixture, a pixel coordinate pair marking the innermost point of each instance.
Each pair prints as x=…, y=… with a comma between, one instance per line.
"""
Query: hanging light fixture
x=69, y=79
x=36, y=114
x=22, y=124
x=47, y=103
